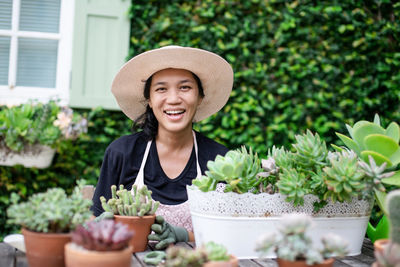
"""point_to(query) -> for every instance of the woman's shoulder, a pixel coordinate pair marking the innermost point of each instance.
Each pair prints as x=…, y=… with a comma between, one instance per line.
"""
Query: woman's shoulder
x=127, y=142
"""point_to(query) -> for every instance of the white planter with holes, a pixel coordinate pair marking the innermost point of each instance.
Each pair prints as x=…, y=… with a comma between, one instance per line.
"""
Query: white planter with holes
x=37, y=156
x=238, y=220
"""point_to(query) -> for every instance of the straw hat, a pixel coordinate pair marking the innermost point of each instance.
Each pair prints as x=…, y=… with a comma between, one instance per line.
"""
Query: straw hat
x=215, y=73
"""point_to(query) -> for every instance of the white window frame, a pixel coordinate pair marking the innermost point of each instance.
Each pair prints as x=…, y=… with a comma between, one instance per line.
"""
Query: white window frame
x=13, y=95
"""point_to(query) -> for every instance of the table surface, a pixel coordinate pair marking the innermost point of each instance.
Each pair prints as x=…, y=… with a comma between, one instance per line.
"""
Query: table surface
x=11, y=257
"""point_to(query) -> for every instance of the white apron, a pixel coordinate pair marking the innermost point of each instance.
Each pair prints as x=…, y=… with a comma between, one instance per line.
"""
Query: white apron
x=177, y=215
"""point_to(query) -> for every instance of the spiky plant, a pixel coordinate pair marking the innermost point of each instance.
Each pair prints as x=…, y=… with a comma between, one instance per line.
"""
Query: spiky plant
x=292, y=184
x=182, y=257
x=344, y=177
x=238, y=169
x=375, y=174
x=311, y=151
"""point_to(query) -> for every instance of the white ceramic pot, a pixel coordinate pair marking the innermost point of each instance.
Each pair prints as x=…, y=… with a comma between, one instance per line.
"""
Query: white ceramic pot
x=238, y=220
x=39, y=156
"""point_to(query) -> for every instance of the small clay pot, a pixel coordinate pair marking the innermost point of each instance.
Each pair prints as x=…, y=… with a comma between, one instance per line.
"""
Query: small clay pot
x=80, y=257
x=44, y=249
x=302, y=263
x=380, y=244
x=233, y=262
x=141, y=227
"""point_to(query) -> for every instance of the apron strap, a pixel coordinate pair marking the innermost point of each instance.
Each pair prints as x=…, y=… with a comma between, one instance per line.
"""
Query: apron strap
x=140, y=177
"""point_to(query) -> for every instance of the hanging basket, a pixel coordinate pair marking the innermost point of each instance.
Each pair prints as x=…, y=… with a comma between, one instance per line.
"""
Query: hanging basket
x=35, y=156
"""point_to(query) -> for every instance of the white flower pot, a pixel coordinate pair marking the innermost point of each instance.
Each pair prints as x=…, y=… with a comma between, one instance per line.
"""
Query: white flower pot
x=39, y=156
x=238, y=220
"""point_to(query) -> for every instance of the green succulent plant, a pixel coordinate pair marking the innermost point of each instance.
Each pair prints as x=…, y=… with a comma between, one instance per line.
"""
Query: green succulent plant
x=292, y=243
x=311, y=151
x=52, y=211
x=238, y=169
x=122, y=202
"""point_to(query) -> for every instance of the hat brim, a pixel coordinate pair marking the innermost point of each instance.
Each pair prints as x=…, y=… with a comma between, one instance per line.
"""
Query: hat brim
x=214, y=72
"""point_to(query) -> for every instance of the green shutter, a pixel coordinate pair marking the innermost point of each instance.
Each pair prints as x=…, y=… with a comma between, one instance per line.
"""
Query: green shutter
x=100, y=47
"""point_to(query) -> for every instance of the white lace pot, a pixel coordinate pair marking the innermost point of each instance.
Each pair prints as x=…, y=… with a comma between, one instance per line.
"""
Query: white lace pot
x=238, y=220
x=39, y=156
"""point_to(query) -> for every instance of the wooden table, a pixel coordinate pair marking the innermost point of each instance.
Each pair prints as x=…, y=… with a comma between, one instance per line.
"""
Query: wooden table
x=11, y=257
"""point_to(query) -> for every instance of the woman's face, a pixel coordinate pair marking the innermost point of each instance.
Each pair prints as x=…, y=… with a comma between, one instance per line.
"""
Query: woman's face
x=174, y=97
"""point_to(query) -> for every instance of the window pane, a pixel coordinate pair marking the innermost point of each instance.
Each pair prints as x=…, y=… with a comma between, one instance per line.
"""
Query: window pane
x=5, y=14
x=4, y=59
x=39, y=15
x=37, y=62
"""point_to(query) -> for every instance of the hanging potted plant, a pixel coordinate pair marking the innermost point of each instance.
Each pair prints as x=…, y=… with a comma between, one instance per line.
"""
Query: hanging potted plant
x=331, y=186
x=137, y=210
x=377, y=146
x=209, y=255
x=47, y=219
x=102, y=243
x=293, y=248
x=30, y=132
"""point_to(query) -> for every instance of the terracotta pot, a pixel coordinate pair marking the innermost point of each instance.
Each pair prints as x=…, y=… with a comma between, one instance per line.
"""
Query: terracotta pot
x=285, y=263
x=141, y=227
x=78, y=257
x=43, y=249
x=233, y=262
x=380, y=244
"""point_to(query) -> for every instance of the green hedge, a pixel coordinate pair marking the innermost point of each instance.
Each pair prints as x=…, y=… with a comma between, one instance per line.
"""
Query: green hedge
x=298, y=64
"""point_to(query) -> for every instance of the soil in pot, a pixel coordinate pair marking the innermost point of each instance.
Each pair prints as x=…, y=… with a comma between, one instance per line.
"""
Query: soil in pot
x=76, y=256
x=285, y=263
x=233, y=262
x=141, y=227
x=44, y=249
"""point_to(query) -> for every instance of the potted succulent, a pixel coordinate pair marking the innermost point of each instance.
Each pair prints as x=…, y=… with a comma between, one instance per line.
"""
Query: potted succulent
x=47, y=219
x=241, y=196
x=30, y=132
x=377, y=146
x=210, y=254
x=393, y=209
x=137, y=210
x=293, y=247
x=102, y=243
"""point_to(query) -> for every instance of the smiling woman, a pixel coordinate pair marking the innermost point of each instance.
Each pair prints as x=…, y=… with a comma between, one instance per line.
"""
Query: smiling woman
x=164, y=91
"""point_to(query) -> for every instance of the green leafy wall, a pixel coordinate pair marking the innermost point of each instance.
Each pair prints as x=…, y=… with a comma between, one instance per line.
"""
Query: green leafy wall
x=298, y=64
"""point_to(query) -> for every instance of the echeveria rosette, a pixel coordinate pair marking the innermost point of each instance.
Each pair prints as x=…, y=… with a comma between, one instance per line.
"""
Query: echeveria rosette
x=238, y=169
x=292, y=184
x=344, y=177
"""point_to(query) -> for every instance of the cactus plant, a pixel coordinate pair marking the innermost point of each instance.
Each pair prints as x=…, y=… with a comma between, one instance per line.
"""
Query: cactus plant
x=105, y=235
x=124, y=203
x=292, y=243
x=388, y=257
x=393, y=203
x=238, y=169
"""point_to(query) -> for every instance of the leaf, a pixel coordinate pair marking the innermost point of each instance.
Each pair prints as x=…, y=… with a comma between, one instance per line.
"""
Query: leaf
x=361, y=130
x=349, y=143
x=377, y=120
x=393, y=180
x=380, y=198
x=393, y=131
x=395, y=158
x=379, y=158
x=381, y=144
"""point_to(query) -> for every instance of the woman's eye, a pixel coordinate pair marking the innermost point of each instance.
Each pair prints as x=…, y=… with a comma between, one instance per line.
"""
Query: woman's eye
x=160, y=89
x=185, y=87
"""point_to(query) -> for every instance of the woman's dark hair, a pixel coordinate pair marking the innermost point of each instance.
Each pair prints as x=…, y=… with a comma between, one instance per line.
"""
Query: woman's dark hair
x=148, y=121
